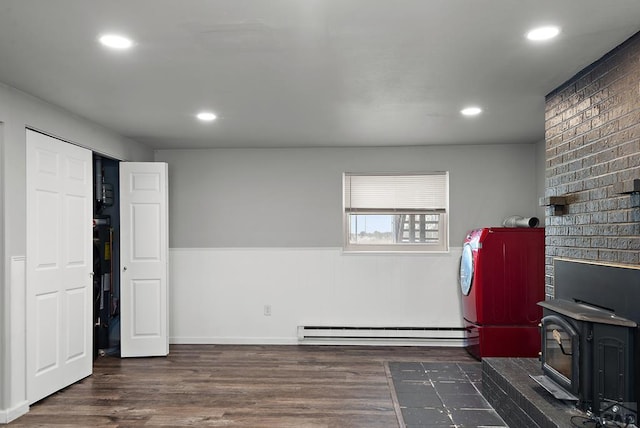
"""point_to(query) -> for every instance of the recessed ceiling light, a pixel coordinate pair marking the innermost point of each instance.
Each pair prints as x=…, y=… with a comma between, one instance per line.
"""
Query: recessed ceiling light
x=115, y=41
x=206, y=116
x=543, y=33
x=471, y=111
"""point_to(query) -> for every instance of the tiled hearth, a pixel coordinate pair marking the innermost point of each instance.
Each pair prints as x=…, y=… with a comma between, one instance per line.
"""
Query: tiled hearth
x=519, y=400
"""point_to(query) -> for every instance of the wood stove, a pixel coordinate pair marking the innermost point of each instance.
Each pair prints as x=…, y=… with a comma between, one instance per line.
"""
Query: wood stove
x=590, y=338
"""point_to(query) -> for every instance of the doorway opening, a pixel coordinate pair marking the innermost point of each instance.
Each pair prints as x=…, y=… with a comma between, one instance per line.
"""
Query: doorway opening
x=106, y=256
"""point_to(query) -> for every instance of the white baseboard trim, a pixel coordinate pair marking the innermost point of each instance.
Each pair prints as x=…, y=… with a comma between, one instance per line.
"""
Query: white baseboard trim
x=14, y=413
x=456, y=343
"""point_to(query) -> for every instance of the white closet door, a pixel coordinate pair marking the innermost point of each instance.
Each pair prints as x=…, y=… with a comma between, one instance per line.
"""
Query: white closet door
x=143, y=259
x=59, y=264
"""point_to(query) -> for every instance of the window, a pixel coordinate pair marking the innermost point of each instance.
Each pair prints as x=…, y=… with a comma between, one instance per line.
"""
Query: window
x=396, y=212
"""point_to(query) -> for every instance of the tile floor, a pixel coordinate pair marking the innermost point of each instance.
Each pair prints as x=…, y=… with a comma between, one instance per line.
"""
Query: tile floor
x=442, y=395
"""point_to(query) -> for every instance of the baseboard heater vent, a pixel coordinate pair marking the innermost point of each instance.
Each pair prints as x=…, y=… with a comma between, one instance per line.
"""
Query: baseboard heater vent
x=411, y=334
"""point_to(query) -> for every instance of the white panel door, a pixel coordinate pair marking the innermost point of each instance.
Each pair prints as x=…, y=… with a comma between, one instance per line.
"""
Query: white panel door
x=59, y=264
x=144, y=269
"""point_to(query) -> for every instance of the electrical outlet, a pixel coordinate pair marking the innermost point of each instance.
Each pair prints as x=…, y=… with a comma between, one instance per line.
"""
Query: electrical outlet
x=267, y=310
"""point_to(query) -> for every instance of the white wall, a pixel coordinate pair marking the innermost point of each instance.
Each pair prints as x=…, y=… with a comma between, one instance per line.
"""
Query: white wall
x=5, y=332
x=19, y=111
x=251, y=227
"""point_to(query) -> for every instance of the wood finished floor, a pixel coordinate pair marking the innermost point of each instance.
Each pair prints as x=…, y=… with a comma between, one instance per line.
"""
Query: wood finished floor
x=237, y=386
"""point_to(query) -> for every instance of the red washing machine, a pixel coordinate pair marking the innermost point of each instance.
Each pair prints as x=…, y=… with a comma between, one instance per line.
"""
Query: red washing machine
x=502, y=280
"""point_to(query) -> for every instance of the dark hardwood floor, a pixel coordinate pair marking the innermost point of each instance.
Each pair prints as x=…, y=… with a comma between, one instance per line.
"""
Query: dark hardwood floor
x=237, y=386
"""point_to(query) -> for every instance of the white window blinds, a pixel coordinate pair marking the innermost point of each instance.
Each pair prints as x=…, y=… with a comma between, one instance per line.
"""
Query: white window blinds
x=409, y=192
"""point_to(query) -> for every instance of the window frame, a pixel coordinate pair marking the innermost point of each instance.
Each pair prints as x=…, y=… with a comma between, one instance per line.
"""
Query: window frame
x=442, y=245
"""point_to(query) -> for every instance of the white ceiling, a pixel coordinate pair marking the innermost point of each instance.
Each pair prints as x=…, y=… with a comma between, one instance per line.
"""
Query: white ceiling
x=289, y=73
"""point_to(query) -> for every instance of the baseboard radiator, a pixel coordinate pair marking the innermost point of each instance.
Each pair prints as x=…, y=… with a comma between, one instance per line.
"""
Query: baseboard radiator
x=428, y=336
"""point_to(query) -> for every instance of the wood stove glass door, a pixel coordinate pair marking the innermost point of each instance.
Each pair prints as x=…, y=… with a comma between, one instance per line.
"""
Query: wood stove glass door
x=560, y=352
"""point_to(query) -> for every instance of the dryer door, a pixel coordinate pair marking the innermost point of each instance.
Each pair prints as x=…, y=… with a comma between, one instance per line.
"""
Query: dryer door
x=466, y=269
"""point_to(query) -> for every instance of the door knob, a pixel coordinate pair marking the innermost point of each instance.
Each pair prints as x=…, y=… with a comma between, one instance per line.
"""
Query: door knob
x=124, y=268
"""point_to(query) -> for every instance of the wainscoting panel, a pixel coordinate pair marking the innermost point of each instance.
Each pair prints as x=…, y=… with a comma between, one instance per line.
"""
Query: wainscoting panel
x=17, y=402
x=262, y=295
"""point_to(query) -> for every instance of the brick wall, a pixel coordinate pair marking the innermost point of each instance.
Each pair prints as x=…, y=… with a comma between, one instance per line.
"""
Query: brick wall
x=592, y=137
